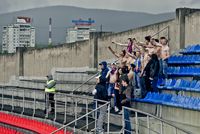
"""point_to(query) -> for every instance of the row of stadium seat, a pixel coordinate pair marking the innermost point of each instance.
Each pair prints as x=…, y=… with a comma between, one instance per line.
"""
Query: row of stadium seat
x=184, y=59
x=180, y=84
x=4, y=130
x=183, y=71
x=172, y=100
x=191, y=49
x=28, y=124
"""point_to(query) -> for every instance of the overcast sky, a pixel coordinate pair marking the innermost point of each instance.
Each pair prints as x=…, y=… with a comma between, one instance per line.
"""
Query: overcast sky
x=151, y=6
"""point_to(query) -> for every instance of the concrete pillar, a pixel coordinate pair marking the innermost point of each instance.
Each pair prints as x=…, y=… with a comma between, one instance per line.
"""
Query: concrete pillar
x=180, y=20
x=20, y=59
x=94, y=47
x=94, y=50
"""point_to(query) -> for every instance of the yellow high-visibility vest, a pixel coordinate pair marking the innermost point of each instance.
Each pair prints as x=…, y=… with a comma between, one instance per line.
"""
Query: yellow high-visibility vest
x=50, y=90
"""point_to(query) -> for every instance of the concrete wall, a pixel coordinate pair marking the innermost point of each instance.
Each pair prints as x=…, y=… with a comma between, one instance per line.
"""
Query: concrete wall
x=184, y=29
x=8, y=67
x=139, y=34
x=192, y=28
x=40, y=62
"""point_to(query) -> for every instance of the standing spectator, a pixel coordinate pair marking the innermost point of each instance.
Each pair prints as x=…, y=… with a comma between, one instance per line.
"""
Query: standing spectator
x=49, y=93
x=126, y=101
x=117, y=98
x=144, y=60
x=104, y=70
x=112, y=80
x=151, y=73
x=100, y=93
x=164, y=55
x=137, y=70
x=121, y=56
x=129, y=46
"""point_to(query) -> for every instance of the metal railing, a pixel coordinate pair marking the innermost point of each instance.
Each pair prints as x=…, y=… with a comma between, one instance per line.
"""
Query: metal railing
x=69, y=108
x=105, y=106
x=142, y=121
x=77, y=88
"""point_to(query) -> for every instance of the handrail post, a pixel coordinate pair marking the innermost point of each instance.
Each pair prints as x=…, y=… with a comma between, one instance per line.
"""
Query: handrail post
x=34, y=106
x=55, y=106
x=123, y=120
x=148, y=124
x=46, y=105
x=76, y=111
x=108, y=121
x=65, y=130
x=12, y=100
x=65, y=114
x=95, y=116
x=75, y=129
x=87, y=115
x=161, y=127
x=136, y=122
x=23, y=101
x=2, y=102
x=176, y=130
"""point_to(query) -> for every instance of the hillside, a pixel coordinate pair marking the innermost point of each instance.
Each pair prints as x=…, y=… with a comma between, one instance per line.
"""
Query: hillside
x=62, y=15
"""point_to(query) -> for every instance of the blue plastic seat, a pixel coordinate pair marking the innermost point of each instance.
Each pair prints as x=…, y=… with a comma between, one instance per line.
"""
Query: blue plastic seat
x=176, y=70
x=191, y=49
x=171, y=59
x=177, y=84
x=198, y=48
x=197, y=86
x=171, y=101
x=197, y=58
x=193, y=103
x=170, y=70
x=180, y=102
x=186, y=50
x=166, y=98
x=184, y=84
x=190, y=86
x=171, y=84
x=196, y=104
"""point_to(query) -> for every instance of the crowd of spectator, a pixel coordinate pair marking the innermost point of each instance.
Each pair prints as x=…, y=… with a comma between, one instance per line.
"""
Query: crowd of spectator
x=139, y=67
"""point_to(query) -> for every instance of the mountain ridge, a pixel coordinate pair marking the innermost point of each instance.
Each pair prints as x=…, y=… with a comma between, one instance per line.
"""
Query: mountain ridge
x=111, y=20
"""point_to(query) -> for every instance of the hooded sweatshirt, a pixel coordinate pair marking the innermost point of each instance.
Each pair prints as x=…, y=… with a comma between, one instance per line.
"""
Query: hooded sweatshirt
x=105, y=70
x=101, y=92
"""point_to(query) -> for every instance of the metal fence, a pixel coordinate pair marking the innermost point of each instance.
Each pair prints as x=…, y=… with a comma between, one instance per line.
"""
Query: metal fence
x=96, y=112
x=77, y=112
x=80, y=114
x=142, y=122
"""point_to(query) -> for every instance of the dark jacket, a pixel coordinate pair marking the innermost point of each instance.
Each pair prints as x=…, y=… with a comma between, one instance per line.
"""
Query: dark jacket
x=105, y=70
x=126, y=96
x=152, y=68
x=101, y=90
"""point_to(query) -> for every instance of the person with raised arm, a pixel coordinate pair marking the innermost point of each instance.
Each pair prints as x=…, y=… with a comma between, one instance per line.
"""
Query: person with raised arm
x=120, y=56
x=129, y=46
x=164, y=55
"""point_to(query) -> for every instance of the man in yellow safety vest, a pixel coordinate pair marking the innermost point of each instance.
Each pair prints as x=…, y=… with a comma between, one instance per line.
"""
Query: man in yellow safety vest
x=49, y=93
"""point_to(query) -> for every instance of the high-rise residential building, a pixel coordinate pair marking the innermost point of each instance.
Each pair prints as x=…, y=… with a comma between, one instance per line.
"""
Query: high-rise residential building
x=81, y=30
x=20, y=34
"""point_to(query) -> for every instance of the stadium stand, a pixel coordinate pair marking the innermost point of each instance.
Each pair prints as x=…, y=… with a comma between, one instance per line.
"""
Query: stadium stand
x=184, y=59
x=181, y=85
x=184, y=71
x=28, y=124
x=172, y=100
x=5, y=130
x=192, y=49
x=179, y=95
